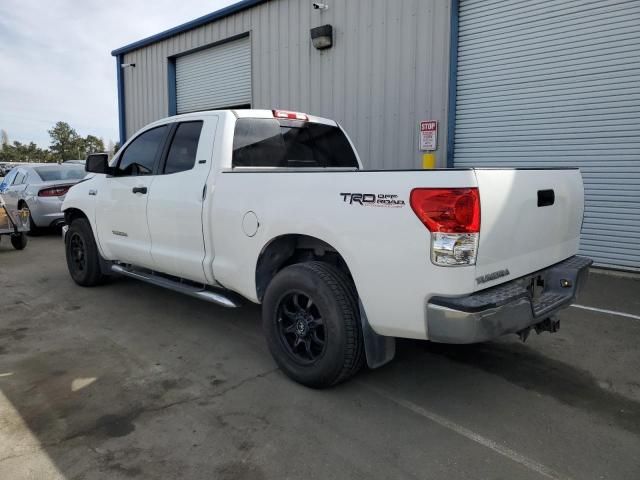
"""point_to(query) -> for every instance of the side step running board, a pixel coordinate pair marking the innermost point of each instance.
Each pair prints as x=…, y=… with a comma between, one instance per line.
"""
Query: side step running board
x=218, y=298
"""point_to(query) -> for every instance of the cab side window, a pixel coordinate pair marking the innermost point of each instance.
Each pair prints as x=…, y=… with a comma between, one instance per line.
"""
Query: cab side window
x=182, y=153
x=140, y=156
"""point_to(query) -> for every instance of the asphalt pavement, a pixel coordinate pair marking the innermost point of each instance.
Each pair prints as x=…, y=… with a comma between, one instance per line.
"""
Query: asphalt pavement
x=131, y=381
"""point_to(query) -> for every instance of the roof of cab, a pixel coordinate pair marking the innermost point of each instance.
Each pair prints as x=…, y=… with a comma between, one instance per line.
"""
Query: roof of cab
x=240, y=113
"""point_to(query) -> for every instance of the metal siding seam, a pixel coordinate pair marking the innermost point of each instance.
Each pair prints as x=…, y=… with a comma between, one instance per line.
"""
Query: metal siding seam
x=453, y=81
x=171, y=86
x=409, y=42
x=122, y=129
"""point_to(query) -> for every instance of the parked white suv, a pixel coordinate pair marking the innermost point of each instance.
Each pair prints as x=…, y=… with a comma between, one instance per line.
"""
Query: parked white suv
x=274, y=207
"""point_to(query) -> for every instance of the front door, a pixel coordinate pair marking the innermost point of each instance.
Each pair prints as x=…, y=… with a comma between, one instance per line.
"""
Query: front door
x=121, y=204
x=176, y=201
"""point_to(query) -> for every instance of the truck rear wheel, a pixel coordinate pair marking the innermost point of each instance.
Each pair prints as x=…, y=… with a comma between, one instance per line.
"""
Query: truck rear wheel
x=83, y=258
x=312, y=325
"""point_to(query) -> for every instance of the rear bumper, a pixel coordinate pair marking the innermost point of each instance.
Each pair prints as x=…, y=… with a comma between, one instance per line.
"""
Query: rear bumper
x=46, y=211
x=506, y=308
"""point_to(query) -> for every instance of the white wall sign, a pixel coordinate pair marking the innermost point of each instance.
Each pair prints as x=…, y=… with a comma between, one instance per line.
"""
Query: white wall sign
x=428, y=135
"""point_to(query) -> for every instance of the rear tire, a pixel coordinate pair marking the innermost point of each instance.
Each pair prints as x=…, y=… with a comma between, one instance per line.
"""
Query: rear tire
x=312, y=324
x=34, y=230
x=83, y=258
x=19, y=240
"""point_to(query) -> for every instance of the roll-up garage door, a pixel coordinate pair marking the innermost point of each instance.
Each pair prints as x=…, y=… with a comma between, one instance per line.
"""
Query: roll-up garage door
x=214, y=78
x=549, y=83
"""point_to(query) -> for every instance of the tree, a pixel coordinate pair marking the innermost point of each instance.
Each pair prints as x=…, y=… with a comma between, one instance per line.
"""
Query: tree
x=66, y=144
x=93, y=145
x=21, y=152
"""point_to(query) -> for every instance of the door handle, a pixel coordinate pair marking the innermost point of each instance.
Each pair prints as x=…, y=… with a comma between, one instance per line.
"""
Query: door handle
x=142, y=190
x=546, y=198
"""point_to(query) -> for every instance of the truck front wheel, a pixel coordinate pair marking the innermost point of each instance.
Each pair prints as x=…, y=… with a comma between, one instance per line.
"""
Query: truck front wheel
x=83, y=258
x=311, y=321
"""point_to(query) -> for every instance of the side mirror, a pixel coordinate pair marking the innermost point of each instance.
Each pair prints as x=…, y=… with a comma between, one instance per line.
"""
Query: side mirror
x=97, y=163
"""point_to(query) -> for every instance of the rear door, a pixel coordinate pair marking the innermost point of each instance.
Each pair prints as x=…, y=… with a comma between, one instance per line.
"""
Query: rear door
x=121, y=204
x=176, y=201
x=530, y=219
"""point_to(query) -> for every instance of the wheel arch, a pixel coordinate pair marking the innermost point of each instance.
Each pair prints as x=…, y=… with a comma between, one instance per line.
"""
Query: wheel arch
x=289, y=249
x=285, y=250
x=71, y=214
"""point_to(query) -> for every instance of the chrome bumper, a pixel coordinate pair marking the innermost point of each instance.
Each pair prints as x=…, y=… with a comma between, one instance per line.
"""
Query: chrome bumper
x=506, y=308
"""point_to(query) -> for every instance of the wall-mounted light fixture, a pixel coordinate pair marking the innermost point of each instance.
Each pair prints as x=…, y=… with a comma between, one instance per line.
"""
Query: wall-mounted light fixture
x=126, y=65
x=322, y=37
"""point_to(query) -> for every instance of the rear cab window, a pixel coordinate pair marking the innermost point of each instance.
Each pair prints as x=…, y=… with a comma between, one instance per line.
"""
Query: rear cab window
x=266, y=142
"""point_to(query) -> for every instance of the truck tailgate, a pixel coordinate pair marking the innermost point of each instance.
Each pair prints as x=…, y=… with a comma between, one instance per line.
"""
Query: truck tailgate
x=530, y=219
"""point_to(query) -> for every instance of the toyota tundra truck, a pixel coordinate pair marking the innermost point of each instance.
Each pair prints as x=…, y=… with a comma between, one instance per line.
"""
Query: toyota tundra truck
x=274, y=207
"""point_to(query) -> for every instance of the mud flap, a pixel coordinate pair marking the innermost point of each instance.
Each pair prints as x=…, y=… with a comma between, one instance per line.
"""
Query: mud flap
x=379, y=349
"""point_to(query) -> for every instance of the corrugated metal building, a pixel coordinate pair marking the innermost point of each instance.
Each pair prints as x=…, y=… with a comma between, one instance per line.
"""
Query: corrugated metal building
x=371, y=80
x=510, y=83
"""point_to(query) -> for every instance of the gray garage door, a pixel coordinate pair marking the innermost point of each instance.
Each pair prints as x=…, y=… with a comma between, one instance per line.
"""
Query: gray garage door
x=214, y=78
x=557, y=83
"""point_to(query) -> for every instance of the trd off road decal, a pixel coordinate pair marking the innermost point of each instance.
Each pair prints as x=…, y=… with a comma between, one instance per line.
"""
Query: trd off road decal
x=373, y=199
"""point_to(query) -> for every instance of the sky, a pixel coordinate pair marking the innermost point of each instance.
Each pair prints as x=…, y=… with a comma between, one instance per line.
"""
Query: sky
x=56, y=63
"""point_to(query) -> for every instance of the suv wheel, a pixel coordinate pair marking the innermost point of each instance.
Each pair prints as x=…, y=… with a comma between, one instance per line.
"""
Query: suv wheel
x=312, y=325
x=83, y=258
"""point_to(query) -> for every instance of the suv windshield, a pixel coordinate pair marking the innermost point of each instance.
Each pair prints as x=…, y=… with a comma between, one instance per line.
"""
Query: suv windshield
x=60, y=172
x=265, y=142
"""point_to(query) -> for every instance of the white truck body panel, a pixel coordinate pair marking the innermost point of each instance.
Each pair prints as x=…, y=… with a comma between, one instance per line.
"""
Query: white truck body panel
x=177, y=230
x=518, y=235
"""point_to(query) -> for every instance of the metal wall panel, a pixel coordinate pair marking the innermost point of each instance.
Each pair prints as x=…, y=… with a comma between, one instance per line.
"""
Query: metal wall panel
x=388, y=69
x=214, y=78
x=557, y=83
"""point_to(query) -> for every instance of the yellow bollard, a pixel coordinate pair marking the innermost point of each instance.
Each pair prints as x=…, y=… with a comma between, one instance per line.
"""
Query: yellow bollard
x=429, y=160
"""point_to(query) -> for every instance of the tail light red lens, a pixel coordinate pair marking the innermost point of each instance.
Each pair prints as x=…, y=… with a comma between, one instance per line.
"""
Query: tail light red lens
x=53, y=192
x=447, y=210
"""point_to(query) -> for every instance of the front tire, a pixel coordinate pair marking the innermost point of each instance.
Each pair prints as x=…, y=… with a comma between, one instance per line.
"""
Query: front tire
x=83, y=258
x=312, y=324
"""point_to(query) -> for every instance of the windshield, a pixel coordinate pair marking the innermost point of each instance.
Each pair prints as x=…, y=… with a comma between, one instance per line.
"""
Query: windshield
x=66, y=172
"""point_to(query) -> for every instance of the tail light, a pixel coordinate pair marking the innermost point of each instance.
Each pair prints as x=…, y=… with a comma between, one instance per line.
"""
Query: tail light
x=290, y=115
x=53, y=191
x=452, y=215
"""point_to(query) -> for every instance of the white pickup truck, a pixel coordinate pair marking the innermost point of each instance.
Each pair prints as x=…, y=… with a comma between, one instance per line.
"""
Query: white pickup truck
x=274, y=207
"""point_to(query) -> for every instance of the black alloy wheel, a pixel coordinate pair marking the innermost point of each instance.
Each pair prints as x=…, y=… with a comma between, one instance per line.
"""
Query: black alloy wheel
x=311, y=321
x=301, y=328
x=83, y=257
x=78, y=256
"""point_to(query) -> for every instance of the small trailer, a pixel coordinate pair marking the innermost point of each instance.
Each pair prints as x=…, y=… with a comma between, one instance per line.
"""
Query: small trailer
x=14, y=223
